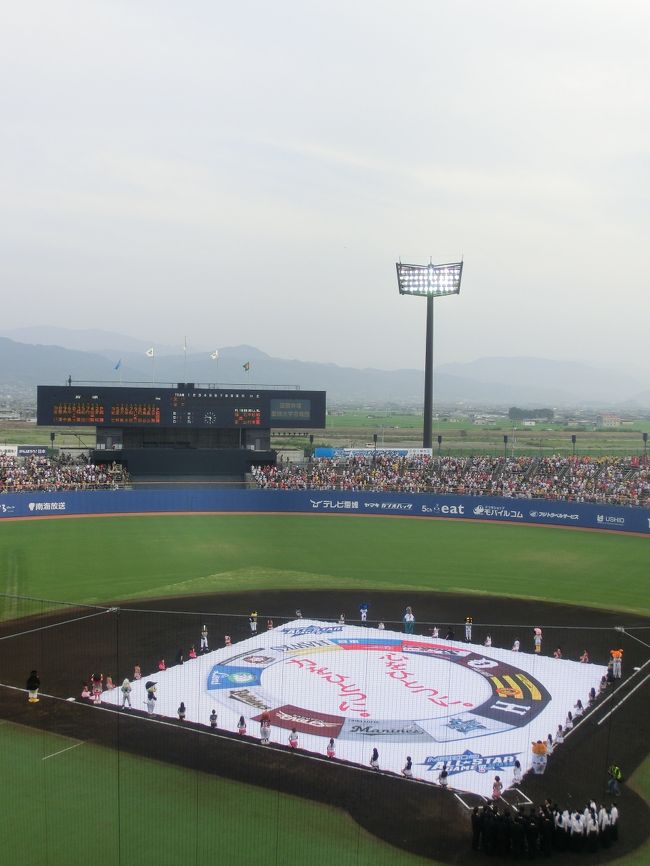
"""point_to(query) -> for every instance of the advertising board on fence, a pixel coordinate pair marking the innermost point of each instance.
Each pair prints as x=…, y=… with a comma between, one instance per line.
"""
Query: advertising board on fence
x=196, y=499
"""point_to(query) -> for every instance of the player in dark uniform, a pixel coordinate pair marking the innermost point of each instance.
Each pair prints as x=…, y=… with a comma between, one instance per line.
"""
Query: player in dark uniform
x=33, y=685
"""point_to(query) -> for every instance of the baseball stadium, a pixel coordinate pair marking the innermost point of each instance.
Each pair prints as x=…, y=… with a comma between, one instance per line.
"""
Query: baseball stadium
x=206, y=658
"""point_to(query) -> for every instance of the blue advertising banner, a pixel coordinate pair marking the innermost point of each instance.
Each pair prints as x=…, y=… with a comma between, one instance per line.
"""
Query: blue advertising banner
x=189, y=499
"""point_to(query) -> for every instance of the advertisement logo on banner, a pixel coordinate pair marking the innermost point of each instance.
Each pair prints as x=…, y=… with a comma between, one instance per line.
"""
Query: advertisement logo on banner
x=553, y=515
x=334, y=504
x=394, y=731
x=608, y=518
x=305, y=721
x=31, y=451
x=46, y=506
x=468, y=761
x=7, y=509
x=296, y=631
x=498, y=511
x=245, y=696
x=222, y=677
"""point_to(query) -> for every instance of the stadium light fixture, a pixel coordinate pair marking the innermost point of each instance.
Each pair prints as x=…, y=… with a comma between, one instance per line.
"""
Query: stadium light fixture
x=436, y=281
x=429, y=281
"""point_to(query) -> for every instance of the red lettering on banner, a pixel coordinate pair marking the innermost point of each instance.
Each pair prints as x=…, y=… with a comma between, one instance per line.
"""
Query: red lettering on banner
x=355, y=699
x=396, y=665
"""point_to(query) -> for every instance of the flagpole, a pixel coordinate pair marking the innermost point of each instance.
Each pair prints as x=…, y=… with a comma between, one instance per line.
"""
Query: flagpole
x=151, y=353
x=215, y=357
x=185, y=359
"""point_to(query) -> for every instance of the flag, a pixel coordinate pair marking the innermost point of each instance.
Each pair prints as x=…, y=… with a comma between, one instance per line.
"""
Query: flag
x=247, y=366
x=118, y=365
x=215, y=355
x=149, y=353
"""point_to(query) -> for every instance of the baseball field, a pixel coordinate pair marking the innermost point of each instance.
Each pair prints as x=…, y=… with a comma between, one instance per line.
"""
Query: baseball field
x=81, y=783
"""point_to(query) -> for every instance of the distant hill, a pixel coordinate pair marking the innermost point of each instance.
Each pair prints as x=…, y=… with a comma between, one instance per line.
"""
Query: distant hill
x=485, y=382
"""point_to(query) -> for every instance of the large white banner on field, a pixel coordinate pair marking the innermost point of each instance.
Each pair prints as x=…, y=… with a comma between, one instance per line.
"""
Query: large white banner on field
x=477, y=709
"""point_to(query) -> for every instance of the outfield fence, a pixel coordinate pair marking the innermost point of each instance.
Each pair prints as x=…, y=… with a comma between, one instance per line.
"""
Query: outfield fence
x=198, y=498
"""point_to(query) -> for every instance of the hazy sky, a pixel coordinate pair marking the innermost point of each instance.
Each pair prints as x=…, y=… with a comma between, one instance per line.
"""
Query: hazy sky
x=249, y=172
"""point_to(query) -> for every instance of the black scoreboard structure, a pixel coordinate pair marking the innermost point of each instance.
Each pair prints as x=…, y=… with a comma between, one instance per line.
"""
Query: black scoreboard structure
x=189, y=430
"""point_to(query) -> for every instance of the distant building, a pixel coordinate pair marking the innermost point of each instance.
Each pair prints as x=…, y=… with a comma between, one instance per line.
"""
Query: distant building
x=608, y=420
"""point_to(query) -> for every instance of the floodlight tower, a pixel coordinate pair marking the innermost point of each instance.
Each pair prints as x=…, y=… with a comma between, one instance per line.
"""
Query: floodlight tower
x=429, y=281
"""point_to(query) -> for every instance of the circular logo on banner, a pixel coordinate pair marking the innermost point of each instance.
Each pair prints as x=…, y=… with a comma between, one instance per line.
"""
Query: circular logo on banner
x=395, y=689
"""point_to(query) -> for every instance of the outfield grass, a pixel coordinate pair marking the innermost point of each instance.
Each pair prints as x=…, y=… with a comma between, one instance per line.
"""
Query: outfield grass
x=100, y=560
x=53, y=809
x=54, y=806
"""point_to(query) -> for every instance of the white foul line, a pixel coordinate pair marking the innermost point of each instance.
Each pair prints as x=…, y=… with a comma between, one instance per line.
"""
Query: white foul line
x=53, y=625
x=628, y=695
x=61, y=751
x=458, y=797
x=623, y=685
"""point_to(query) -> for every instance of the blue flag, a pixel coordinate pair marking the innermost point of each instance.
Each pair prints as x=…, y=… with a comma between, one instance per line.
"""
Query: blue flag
x=118, y=365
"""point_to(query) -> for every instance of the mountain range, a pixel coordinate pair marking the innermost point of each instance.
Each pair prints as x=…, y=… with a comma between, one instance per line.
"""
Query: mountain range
x=48, y=355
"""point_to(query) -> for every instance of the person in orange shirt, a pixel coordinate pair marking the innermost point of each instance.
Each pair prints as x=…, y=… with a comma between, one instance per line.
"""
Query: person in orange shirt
x=617, y=661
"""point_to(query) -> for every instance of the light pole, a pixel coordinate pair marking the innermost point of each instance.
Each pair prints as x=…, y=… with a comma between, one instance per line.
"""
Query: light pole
x=573, y=443
x=429, y=281
x=505, y=447
x=645, y=449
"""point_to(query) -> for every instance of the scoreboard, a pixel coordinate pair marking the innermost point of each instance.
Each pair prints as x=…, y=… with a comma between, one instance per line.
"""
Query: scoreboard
x=185, y=406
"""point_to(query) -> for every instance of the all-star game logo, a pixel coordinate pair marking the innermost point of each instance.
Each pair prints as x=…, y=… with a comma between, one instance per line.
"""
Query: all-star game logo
x=468, y=761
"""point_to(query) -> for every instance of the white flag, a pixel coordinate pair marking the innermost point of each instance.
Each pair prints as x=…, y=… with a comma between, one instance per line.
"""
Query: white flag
x=149, y=353
x=215, y=355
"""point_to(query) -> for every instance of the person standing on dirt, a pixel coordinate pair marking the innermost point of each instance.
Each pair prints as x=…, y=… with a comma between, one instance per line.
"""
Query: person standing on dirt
x=252, y=622
x=409, y=621
x=98, y=687
x=213, y=720
x=125, y=688
x=204, y=640
x=615, y=779
x=363, y=611
x=477, y=827
x=617, y=662
x=151, y=696
x=33, y=685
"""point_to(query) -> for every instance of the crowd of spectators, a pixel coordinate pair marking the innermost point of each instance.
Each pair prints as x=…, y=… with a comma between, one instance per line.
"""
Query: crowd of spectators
x=543, y=830
x=607, y=480
x=18, y=474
